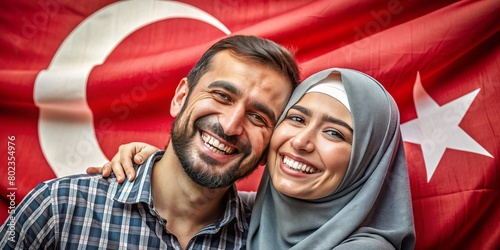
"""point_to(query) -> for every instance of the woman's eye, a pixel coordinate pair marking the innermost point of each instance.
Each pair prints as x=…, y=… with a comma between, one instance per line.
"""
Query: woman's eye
x=296, y=118
x=335, y=134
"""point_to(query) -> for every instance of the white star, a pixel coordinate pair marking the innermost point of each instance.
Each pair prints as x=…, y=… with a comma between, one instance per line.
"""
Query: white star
x=436, y=127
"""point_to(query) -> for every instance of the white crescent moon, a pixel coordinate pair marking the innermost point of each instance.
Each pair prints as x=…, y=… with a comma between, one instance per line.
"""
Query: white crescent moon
x=65, y=126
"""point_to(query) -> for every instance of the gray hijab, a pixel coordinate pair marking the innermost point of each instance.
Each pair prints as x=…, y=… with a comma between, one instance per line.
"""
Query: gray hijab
x=371, y=208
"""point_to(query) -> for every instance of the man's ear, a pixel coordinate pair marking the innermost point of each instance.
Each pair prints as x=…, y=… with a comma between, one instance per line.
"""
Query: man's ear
x=180, y=96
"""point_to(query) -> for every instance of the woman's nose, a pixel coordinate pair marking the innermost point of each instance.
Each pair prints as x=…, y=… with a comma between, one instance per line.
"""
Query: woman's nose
x=303, y=141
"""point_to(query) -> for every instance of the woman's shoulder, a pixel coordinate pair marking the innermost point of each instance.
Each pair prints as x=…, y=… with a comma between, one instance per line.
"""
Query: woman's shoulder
x=247, y=197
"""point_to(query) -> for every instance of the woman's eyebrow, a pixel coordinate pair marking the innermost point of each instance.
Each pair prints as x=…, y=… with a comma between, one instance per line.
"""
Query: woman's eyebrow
x=326, y=118
x=332, y=119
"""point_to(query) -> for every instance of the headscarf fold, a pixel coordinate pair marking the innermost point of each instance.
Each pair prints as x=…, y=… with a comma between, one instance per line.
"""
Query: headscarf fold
x=371, y=208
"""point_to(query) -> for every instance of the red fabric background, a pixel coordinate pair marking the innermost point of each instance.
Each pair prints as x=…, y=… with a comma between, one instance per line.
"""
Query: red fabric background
x=453, y=47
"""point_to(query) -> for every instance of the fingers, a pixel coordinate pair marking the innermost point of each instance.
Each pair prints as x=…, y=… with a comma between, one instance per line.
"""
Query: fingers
x=115, y=165
x=106, y=170
x=138, y=158
x=129, y=154
x=141, y=152
x=121, y=164
x=94, y=170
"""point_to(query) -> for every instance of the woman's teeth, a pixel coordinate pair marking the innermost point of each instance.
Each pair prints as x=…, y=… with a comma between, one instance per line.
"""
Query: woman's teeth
x=215, y=145
x=301, y=167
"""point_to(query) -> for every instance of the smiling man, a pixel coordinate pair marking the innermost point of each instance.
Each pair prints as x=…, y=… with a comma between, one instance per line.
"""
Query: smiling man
x=184, y=197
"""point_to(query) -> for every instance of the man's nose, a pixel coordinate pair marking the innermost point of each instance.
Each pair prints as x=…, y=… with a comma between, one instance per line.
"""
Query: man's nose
x=233, y=121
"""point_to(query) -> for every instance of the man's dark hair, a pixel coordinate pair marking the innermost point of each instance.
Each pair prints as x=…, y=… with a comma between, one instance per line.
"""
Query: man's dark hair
x=250, y=48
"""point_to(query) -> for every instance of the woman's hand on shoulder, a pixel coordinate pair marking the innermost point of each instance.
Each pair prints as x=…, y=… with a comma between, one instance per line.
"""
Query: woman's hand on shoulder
x=122, y=161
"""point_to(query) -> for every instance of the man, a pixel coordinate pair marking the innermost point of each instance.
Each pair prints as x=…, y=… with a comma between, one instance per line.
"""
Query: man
x=225, y=112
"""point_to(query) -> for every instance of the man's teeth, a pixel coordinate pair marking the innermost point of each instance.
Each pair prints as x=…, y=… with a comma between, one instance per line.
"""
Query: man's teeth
x=215, y=145
x=295, y=165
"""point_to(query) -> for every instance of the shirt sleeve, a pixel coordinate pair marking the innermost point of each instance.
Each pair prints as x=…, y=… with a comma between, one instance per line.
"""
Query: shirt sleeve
x=31, y=224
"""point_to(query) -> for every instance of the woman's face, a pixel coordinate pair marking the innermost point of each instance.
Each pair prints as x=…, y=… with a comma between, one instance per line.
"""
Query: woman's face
x=310, y=149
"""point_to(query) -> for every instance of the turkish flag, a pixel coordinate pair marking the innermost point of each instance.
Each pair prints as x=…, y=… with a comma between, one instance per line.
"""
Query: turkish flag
x=77, y=79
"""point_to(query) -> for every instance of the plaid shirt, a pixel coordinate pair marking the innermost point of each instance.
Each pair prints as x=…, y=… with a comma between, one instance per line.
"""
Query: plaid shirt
x=91, y=212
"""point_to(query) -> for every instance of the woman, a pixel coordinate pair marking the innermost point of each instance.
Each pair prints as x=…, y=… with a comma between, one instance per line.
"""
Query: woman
x=336, y=172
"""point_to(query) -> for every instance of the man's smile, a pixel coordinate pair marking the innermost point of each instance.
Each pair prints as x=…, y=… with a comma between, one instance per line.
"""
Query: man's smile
x=215, y=145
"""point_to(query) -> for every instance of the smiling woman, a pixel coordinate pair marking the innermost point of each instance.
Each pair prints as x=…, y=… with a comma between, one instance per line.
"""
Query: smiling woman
x=310, y=149
x=336, y=172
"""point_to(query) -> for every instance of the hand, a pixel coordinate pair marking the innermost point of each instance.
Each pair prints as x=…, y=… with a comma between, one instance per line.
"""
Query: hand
x=122, y=161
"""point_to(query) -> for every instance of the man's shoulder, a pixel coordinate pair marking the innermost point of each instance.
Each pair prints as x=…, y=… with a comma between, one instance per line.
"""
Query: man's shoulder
x=83, y=184
x=83, y=180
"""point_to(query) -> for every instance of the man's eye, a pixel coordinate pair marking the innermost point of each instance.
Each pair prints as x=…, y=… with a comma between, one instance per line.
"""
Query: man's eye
x=221, y=95
x=257, y=119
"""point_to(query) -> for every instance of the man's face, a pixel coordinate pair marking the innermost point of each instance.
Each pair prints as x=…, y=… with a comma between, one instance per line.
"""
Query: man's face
x=223, y=128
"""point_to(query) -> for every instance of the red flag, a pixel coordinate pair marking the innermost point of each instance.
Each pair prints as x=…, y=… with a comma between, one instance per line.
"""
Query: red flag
x=77, y=80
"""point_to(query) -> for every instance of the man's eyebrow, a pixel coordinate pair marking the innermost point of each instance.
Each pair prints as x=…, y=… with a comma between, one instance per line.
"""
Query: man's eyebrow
x=327, y=118
x=261, y=107
x=225, y=85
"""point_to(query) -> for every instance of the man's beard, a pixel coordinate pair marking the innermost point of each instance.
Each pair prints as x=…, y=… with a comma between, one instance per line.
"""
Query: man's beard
x=198, y=165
